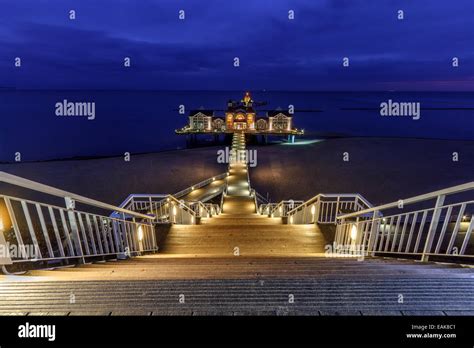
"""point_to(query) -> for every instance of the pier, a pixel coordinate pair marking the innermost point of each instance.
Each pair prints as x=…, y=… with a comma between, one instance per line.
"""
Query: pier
x=241, y=117
x=220, y=248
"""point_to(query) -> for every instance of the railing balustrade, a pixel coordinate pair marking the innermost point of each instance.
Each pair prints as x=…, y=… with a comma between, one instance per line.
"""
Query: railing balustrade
x=322, y=208
x=280, y=209
x=258, y=199
x=199, y=185
x=170, y=208
x=205, y=210
x=32, y=231
x=442, y=230
x=144, y=202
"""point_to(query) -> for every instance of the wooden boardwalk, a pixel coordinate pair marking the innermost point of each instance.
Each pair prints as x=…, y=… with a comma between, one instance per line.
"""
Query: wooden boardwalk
x=206, y=192
x=242, y=263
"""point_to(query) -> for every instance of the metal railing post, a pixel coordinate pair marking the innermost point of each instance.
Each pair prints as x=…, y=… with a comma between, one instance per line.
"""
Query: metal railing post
x=125, y=234
x=337, y=209
x=432, y=228
x=16, y=228
x=5, y=258
x=337, y=236
x=317, y=210
x=373, y=233
x=153, y=235
x=70, y=206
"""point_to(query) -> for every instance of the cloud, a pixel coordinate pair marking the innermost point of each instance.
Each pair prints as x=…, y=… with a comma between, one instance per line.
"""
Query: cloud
x=275, y=53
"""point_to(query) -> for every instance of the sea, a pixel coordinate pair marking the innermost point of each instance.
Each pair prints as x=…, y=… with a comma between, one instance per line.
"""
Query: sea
x=145, y=121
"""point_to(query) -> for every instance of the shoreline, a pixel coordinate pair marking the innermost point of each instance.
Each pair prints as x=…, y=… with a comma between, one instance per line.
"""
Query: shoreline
x=204, y=146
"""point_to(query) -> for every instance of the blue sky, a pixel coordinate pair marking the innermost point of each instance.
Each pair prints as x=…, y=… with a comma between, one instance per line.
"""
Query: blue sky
x=275, y=53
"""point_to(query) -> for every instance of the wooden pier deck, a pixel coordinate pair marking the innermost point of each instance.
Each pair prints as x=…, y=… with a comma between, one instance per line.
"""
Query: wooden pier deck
x=242, y=263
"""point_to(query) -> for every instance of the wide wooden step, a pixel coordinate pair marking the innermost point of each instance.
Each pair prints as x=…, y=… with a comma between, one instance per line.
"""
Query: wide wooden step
x=245, y=238
x=240, y=219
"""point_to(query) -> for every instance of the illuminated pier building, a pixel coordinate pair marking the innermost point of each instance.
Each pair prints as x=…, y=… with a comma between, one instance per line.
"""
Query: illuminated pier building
x=241, y=117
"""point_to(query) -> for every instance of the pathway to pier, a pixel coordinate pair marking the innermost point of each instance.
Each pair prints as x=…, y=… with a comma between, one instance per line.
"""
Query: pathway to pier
x=240, y=231
x=241, y=263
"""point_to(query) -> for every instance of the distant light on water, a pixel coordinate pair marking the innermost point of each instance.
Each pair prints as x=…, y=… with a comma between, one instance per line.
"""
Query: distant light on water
x=303, y=142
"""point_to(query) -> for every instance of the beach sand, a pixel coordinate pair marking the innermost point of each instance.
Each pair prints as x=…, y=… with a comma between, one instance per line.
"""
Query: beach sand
x=381, y=169
x=111, y=180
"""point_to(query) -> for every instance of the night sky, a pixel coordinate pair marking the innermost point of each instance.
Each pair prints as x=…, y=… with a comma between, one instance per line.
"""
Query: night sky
x=275, y=53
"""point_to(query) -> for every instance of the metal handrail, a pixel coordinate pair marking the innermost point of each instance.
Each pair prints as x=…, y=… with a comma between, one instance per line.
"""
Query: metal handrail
x=199, y=185
x=260, y=198
x=415, y=199
x=207, y=208
x=36, y=186
x=182, y=204
x=178, y=194
x=224, y=192
x=434, y=231
x=294, y=204
x=267, y=208
x=330, y=195
x=131, y=197
x=54, y=234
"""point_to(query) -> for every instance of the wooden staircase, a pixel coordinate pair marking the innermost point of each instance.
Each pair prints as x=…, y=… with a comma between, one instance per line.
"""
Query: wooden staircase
x=240, y=230
x=251, y=238
x=242, y=263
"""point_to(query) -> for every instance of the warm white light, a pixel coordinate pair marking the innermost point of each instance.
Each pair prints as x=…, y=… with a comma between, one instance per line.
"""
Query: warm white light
x=1, y=225
x=353, y=232
x=192, y=188
x=213, y=179
x=313, y=209
x=140, y=233
x=280, y=209
x=174, y=211
x=291, y=219
x=192, y=219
